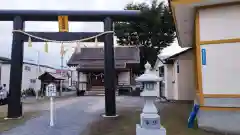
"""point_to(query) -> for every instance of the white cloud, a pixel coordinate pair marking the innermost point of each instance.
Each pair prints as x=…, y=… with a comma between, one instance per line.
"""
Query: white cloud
x=54, y=49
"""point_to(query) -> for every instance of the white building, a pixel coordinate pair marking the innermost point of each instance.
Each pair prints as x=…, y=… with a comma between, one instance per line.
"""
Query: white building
x=212, y=28
x=29, y=76
x=176, y=70
x=71, y=76
x=2, y=59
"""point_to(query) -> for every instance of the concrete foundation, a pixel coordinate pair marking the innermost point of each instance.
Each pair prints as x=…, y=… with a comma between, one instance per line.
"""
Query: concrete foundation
x=220, y=121
x=222, y=102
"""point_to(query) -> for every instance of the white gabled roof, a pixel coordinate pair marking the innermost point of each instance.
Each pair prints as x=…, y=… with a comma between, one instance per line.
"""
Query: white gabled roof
x=169, y=51
x=172, y=50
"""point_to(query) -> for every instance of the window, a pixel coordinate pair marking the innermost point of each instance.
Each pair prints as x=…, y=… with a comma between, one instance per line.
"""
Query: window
x=32, y=80
x=161, y=71
x=102, y=50
x=177, y=66
x=74, y=83
x=27, y=68
x=149, y=86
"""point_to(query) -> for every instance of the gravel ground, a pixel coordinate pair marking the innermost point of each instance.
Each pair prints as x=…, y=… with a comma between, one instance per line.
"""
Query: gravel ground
x=71, y=116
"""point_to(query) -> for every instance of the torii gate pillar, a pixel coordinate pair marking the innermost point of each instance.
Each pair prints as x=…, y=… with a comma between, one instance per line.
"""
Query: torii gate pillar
x=14, y=100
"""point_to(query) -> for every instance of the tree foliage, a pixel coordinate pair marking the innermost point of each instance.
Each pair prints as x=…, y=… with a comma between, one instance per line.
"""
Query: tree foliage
x=154, y=33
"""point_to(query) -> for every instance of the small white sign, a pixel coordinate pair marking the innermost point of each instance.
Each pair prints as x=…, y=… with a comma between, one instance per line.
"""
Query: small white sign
x=151, y=123
x=51, y=90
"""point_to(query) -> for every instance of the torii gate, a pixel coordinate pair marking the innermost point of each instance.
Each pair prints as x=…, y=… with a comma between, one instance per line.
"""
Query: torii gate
x=20, y=16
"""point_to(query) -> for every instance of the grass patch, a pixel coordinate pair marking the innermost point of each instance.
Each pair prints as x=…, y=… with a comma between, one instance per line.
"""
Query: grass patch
x=125, y=124
x=11, y=123
x=173, y=118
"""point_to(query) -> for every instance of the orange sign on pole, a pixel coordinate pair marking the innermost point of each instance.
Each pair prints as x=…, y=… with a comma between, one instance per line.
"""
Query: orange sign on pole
x=63, y=23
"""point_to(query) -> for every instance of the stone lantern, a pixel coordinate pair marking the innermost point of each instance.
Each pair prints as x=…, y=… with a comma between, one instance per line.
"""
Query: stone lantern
x=150, y=120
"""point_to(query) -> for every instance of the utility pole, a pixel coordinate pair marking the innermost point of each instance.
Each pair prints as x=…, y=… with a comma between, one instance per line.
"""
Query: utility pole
x=37, y=74
x=61, y=73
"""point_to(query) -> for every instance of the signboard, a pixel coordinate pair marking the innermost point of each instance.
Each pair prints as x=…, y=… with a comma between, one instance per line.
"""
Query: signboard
x=51, y=90
x=204, y=57
x=63, y=23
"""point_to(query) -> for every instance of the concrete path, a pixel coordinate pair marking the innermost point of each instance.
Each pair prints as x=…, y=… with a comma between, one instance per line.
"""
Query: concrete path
x=72, y=116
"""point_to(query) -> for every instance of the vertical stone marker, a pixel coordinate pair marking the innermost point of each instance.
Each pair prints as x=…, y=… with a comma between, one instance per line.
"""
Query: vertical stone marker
x=150, y=120
x=51, y=91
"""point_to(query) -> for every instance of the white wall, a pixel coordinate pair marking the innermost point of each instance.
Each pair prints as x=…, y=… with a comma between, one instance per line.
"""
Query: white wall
x=180, y=86
x=82, y=78
x=186, y=77
x=5, y=74
x=219, y=23
x=175, y=78
x=221, y=73
x=168, y=78
x=26, y=76
x=74, y=76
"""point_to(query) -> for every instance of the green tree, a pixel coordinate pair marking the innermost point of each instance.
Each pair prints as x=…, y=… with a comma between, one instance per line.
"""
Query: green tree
x=154, y=33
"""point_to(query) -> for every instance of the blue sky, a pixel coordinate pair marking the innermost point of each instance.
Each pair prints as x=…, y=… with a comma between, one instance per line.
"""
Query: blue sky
x=53, y=57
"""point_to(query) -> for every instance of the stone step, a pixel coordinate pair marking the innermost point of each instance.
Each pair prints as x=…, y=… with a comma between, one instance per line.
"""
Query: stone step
x=97, y=87
x=96, y=93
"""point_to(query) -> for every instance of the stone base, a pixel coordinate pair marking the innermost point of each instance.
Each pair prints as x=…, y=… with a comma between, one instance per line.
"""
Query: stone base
x=143, y=131
x=13, y=118
x=105, y=116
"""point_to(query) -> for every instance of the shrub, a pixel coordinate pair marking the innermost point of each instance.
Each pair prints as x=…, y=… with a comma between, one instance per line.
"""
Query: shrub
x=29, y=92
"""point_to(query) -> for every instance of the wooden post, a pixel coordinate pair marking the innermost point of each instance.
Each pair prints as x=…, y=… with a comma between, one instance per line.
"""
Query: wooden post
x=15, y=86
x=78, y=77
x=109, y=70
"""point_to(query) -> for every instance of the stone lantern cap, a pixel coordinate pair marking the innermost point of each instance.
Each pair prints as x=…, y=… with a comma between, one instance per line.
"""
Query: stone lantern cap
x=148, y=76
